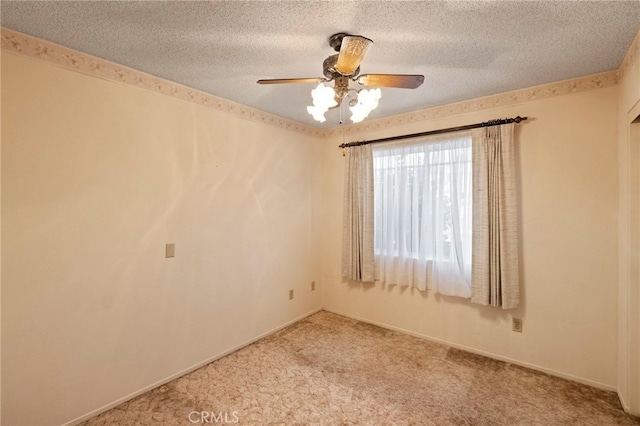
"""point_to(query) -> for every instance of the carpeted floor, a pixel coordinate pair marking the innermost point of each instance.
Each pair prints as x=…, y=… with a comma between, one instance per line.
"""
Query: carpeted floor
x=331, y=370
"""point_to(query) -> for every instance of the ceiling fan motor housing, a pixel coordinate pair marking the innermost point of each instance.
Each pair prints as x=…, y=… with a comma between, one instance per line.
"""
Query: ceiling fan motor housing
x=335, y=41
x=329, y=68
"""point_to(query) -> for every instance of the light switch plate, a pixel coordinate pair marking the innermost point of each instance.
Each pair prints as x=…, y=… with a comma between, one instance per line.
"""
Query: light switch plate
x=170, y=250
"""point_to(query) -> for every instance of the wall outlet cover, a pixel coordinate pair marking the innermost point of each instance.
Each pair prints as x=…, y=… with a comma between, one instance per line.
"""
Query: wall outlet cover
x=517, y=325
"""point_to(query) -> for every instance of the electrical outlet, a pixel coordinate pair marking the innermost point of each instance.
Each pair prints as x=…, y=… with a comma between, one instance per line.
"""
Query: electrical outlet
x=313, y=286
x=290, y=294
x=516, y=325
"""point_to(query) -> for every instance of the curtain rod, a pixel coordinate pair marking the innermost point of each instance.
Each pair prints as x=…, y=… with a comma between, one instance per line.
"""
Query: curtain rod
x=437, y=132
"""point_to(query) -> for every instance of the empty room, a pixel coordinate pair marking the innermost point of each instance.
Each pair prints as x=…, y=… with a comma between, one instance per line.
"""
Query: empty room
x=320, y=212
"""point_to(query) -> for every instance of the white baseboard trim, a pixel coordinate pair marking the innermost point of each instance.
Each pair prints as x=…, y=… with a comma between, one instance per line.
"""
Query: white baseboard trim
x=184, y=372
x=483, y=353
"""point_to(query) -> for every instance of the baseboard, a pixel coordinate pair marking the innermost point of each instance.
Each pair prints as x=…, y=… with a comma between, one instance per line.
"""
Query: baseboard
x=183, y=372
x=625, y=405
x=365, y=320
x=483, y=353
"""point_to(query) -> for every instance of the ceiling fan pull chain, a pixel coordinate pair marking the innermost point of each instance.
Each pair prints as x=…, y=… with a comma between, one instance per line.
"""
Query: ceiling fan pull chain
x=344, y=151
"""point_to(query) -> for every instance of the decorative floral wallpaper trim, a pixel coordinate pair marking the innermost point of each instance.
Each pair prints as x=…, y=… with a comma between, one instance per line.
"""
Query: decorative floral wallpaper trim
x=631, y=57
x=595, y=81
x=13, y=41
x=16, y=42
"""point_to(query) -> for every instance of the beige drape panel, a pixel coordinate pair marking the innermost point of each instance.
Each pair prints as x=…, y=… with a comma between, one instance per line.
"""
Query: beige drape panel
x=358, y=261
x=494, y=269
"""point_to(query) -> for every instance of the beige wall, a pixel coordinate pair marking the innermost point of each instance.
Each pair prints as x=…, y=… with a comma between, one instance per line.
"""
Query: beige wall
x=96, y=178
x=629, y=236
x=568, y=190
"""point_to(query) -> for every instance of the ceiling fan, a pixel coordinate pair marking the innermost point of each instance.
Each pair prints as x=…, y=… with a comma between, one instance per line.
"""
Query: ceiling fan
x=342, y=68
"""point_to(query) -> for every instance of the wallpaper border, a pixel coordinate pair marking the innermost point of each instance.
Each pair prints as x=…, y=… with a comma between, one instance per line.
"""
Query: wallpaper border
x=549, y=90
x=33, y=47
x=631, y=57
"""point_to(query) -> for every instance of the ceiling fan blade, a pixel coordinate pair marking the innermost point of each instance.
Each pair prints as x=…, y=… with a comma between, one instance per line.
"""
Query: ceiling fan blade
x=403, y=81
x=292, y=80
x=352, y=52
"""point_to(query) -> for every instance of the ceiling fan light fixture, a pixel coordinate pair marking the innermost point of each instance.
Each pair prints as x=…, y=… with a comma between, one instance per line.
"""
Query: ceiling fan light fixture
x=323, y=99
x=367, y=102
x=343, y=68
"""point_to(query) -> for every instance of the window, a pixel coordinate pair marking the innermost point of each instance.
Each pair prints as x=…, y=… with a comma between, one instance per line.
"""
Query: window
x=423, y=214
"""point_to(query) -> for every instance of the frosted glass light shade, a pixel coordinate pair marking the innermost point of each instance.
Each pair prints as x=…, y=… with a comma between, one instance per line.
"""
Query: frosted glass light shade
x=323, y=99
x=367, y=102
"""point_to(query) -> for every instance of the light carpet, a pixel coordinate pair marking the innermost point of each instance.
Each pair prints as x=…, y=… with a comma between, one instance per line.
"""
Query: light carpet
x=332, y=370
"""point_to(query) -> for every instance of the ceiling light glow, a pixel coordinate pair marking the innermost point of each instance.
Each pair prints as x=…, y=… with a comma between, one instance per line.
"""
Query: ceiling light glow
x=367, y=102
x=323, y=99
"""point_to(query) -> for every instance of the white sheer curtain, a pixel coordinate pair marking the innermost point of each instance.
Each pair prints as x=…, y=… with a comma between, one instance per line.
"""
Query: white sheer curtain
x=423, y=214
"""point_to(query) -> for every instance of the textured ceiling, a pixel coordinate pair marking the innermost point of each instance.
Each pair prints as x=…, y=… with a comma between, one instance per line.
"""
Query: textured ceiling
x=465, y=49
